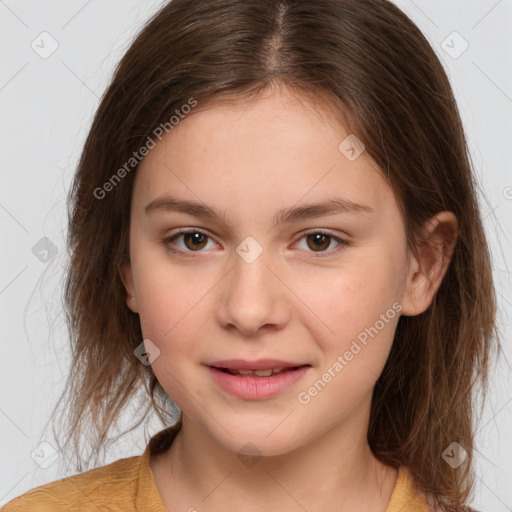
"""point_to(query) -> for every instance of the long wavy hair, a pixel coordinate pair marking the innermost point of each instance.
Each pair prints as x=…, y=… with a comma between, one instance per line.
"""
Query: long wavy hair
x=368, y=62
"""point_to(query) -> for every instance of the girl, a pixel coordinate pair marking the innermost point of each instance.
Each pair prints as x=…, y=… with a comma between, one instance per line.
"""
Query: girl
x=274, y=226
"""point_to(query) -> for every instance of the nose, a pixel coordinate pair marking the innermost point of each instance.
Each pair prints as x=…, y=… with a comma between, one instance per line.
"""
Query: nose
x=254, y=297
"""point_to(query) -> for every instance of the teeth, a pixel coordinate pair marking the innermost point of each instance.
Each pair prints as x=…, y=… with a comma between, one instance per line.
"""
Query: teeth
x=246, y=372
x=259, y=373
x=263, y=373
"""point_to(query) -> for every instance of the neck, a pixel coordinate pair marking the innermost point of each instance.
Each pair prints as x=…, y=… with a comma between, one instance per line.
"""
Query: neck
x=335, y=472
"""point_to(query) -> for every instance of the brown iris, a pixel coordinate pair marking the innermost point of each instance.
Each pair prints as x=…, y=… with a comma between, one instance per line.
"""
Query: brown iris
x=197, y=240
x=320, y=241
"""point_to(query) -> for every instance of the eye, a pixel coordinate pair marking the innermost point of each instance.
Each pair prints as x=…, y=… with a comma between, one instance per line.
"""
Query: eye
x=194, y=240
x=318, y=241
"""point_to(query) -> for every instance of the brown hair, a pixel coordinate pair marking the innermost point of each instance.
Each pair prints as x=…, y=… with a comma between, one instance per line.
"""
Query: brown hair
x=369, y=62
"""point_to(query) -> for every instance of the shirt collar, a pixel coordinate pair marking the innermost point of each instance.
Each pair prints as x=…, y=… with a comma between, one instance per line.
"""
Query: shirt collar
x=148, y=498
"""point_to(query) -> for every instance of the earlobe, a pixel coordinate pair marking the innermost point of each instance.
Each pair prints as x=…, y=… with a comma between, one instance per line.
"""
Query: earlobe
x=428, y=268
x=127, y=279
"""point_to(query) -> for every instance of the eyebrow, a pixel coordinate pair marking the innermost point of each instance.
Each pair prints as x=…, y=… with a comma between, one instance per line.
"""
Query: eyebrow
x=169, y=204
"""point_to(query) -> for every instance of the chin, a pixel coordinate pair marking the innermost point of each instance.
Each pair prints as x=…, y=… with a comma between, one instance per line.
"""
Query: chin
x=253, y=440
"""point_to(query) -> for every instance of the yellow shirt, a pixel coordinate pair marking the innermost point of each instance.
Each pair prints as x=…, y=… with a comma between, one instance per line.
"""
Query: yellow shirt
x=127, y=485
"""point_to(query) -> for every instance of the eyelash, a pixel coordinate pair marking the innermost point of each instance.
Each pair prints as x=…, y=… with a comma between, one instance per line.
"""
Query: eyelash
x=319, y=254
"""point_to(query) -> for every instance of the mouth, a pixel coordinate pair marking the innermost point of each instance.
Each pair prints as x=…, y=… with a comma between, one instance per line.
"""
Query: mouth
x=269, y=372
x=256, y=380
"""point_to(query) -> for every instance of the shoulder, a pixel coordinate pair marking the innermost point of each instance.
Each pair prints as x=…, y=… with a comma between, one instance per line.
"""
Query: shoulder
x=114, y=484
x=406, y=495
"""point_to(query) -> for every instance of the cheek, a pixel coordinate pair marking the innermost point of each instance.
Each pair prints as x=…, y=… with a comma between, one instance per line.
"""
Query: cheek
x=353, y=313
x=168, y=315
x=166, y=296
x=362, y=320
x=351, y=298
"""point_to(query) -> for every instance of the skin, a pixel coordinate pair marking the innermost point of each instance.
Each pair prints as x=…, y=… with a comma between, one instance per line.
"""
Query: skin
x=249, y=160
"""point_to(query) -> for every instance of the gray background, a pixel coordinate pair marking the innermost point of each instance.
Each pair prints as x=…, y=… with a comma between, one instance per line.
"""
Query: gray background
x=46, y=107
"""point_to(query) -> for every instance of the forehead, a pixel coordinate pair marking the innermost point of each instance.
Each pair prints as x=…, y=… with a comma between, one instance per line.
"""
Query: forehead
x=277, y=149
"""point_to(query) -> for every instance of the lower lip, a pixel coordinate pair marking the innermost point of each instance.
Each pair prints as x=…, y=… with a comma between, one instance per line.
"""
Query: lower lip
x=256, y=388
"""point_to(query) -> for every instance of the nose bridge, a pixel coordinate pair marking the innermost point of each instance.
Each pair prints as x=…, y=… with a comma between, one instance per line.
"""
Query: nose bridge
x=253, y=297
x=251, y=267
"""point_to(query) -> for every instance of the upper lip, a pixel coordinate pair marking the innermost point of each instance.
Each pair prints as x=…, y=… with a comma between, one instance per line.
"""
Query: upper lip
x=259, y=364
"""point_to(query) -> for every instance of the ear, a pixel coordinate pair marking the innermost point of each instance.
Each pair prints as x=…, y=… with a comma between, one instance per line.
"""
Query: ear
x=427, y=270
x=127, y=279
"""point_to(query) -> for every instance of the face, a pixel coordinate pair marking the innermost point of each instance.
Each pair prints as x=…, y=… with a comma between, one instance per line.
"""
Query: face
x=260, y=274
